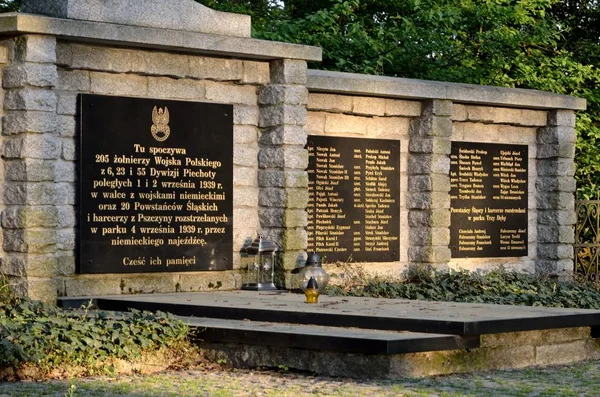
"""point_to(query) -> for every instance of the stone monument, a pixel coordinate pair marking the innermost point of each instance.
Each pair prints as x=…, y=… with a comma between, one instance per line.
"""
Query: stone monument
x=141, y=134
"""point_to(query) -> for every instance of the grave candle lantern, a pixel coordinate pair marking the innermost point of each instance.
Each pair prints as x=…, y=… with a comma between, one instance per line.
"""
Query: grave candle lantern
x=259, y=259
x=314, y=269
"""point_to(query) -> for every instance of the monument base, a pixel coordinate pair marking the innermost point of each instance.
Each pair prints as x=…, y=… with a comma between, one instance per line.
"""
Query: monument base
x=369, y=337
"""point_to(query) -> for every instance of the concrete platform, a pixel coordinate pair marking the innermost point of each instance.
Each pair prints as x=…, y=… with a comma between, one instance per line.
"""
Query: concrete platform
x=371, y=313
x=367, y=337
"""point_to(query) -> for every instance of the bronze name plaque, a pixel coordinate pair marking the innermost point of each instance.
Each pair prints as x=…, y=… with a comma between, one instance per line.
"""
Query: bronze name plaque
x=488, y=200
x=354, y=198
x=156, y=181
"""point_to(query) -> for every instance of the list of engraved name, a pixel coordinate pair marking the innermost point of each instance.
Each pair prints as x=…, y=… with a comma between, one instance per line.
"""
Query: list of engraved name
x=353, y=199
x=488, y=199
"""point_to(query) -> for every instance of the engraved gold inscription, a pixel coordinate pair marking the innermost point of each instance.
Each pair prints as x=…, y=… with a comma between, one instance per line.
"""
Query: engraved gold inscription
x=488, y=200
x=345, y=182
x=138, y=199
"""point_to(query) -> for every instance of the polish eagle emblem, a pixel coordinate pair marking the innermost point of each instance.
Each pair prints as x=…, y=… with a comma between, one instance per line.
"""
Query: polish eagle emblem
x=160, y=127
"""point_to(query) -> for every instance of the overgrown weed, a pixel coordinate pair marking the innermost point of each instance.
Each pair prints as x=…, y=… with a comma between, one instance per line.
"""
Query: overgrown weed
x=497, y=286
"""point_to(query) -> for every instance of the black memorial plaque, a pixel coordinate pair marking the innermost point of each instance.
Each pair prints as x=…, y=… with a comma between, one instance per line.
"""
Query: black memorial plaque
x=488, y=200
x=354, y=198
x=155, y=185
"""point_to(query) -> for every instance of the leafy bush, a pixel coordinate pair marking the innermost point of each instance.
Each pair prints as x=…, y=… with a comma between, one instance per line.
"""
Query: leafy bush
x=497, y=286
x=32, y=332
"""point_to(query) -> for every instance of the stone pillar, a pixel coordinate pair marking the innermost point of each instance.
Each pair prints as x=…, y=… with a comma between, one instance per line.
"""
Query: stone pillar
x=428, y=199
x=30, y=148
x=283, y=159
x=555, y=188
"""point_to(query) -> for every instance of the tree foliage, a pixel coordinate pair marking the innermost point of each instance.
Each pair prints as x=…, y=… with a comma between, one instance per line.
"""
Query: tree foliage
x=551, y=45
x=10, y=5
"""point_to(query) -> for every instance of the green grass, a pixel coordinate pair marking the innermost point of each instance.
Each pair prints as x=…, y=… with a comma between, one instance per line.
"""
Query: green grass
x=574, y=380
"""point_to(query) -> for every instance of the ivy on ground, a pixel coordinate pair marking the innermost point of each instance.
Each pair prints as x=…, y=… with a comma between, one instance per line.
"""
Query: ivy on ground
x=32, y=332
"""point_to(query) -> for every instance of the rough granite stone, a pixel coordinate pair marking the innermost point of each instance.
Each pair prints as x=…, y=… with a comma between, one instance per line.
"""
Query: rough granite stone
x=550, y=234
x=65, y=264
x=428, y=183
x=256, y=73
x=277, y=94
x=176, y=14
x=275, y=178
x=30, y=99
x=271, y=116
x=5, y=52
x=428, y=254
x=431, y=126
x=67, y=104
x=368, y=106
x=245, y=115
x=65, y=239
x=160, y=64
x=429, y=236
x=555, y=184
x=216, y=69
x=29, y=74
x=66, y=126
x=556, y=135
x=21, y=217
x=554, y=217
x=37, y=193
x=278, y=157
x=40, y=241
x=73, y=80
x=288, y=71
x=43, y=146
x=31, y=170
x=165, y=87
x=29, y=265
x=245, y=196
x=429, y=146
x=561, y=117
x=342, y=124
x=545, y=151
x=66, y=216
x=555, y=251
x=556, y=200
x=245, y=134
x=387, y=126
x=425, y=164
x=558, y=167
x=284, y=135
x=17, y=122
x=64, y=171
x=330, y=102
x=118, y=84
x=245, y=156
x=437, y=107
x=68, y=150
x=35, y=48
x=230, y=93
x=244, y=176
x=434, y=218
x=427, y=200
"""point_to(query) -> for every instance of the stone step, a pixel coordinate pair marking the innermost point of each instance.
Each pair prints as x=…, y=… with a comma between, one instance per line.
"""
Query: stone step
x=462, y=319
x=323, y=338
